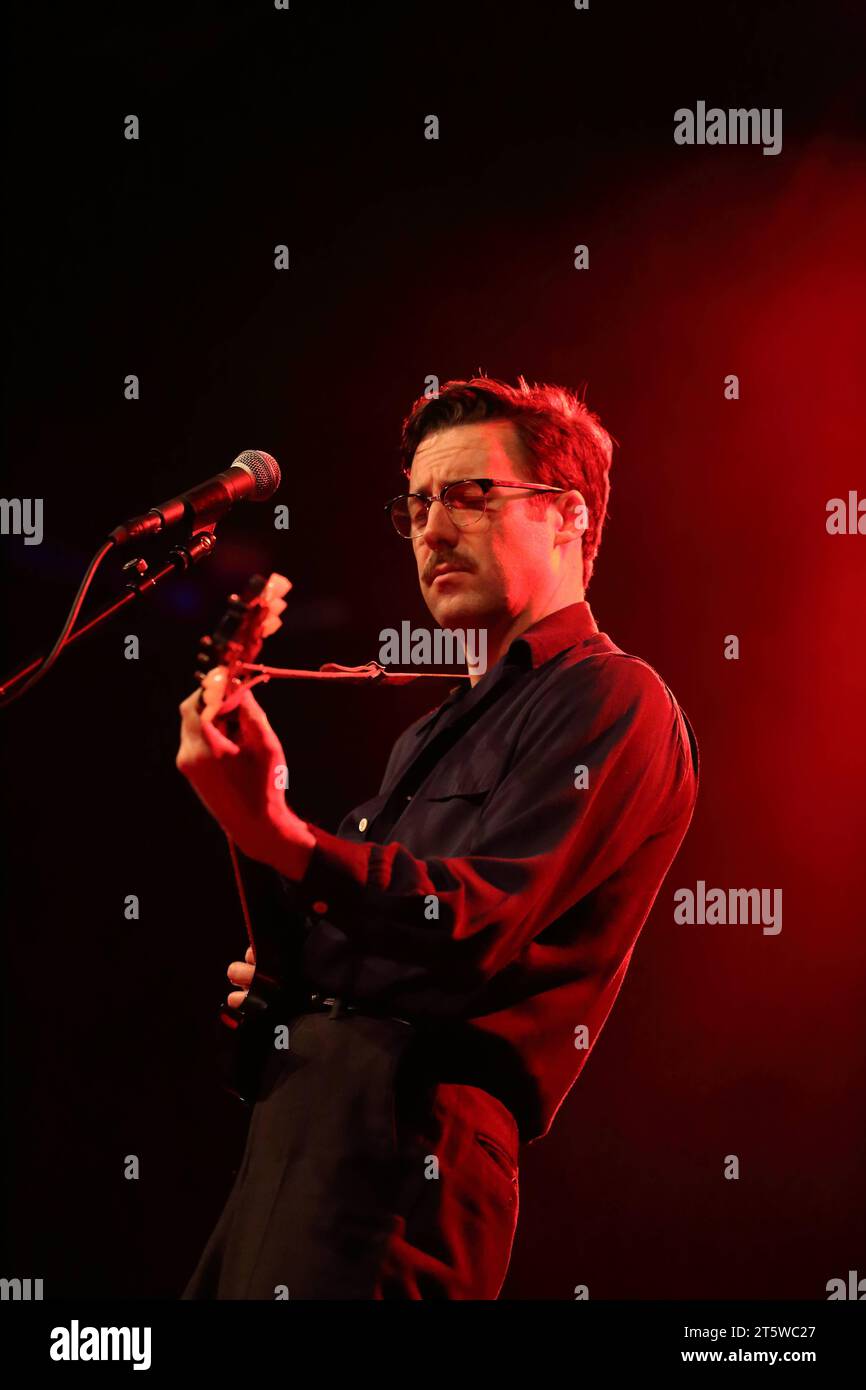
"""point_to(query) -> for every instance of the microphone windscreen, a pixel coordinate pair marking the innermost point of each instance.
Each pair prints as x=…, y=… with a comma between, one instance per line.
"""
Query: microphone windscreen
x=264, y=470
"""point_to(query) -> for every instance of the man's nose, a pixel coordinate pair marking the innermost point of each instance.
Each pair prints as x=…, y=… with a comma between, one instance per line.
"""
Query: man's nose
x=440, y=529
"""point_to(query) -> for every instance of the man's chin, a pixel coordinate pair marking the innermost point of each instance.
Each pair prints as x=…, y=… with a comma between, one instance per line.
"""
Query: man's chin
x=457, y=609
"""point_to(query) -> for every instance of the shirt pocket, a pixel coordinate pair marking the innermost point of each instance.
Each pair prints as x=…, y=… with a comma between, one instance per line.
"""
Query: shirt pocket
x=451, y=818
x=453, y=800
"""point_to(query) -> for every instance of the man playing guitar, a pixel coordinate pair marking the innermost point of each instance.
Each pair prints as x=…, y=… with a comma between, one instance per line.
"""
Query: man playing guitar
x=468, y=928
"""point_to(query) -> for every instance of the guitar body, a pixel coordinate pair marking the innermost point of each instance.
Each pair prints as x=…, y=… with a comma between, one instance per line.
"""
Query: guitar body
x=275, y=927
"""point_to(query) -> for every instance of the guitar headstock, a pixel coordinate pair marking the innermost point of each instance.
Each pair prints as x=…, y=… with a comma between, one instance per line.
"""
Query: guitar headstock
x=250, y=617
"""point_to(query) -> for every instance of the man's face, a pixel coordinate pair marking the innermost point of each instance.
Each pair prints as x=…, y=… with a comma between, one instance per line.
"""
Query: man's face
x=506, y=560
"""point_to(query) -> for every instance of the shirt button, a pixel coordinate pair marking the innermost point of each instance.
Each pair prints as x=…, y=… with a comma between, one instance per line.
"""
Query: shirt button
x=362, y=824
x=320, y=908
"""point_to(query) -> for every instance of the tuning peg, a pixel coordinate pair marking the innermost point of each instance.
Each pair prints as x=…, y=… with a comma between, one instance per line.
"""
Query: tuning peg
x=276, y=586
x=205, y=655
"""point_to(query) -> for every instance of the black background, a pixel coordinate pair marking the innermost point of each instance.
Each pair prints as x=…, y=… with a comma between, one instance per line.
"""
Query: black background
x=411, y=257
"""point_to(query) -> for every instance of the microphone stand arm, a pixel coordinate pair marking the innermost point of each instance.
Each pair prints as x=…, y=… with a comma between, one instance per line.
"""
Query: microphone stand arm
x=183, y=556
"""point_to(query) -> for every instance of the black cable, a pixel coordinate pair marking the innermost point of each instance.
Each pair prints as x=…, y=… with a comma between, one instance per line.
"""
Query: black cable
x=52, y=656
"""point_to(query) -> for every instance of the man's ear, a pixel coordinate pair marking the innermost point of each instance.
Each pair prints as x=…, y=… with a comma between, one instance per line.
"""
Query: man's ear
x=573, y=513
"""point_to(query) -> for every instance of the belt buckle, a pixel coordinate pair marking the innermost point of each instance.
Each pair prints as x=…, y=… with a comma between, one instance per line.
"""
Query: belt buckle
x=338, y=1008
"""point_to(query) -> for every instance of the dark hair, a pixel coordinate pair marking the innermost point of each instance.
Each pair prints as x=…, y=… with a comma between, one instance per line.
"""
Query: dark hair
x=565, y=442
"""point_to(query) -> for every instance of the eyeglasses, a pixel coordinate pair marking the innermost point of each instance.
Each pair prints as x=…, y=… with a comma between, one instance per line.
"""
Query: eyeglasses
x=465, y=498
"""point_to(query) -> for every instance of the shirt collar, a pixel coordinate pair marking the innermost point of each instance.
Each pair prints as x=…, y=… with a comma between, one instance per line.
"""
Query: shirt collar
x=554, y=633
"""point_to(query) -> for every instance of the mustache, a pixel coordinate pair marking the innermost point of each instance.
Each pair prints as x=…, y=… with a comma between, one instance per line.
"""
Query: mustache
x=430, y=569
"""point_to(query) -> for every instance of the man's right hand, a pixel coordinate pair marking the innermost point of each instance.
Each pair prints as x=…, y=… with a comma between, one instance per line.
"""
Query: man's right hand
x=241, y=973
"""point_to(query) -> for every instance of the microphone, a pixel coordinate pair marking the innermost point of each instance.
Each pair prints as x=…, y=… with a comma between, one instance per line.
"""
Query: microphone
x=253, y=475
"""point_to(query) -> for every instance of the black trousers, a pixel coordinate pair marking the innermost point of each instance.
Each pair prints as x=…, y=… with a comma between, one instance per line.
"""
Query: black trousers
x=363, y=1178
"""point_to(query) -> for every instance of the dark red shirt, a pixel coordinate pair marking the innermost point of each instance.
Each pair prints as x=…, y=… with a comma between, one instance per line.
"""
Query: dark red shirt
x=492, y=892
